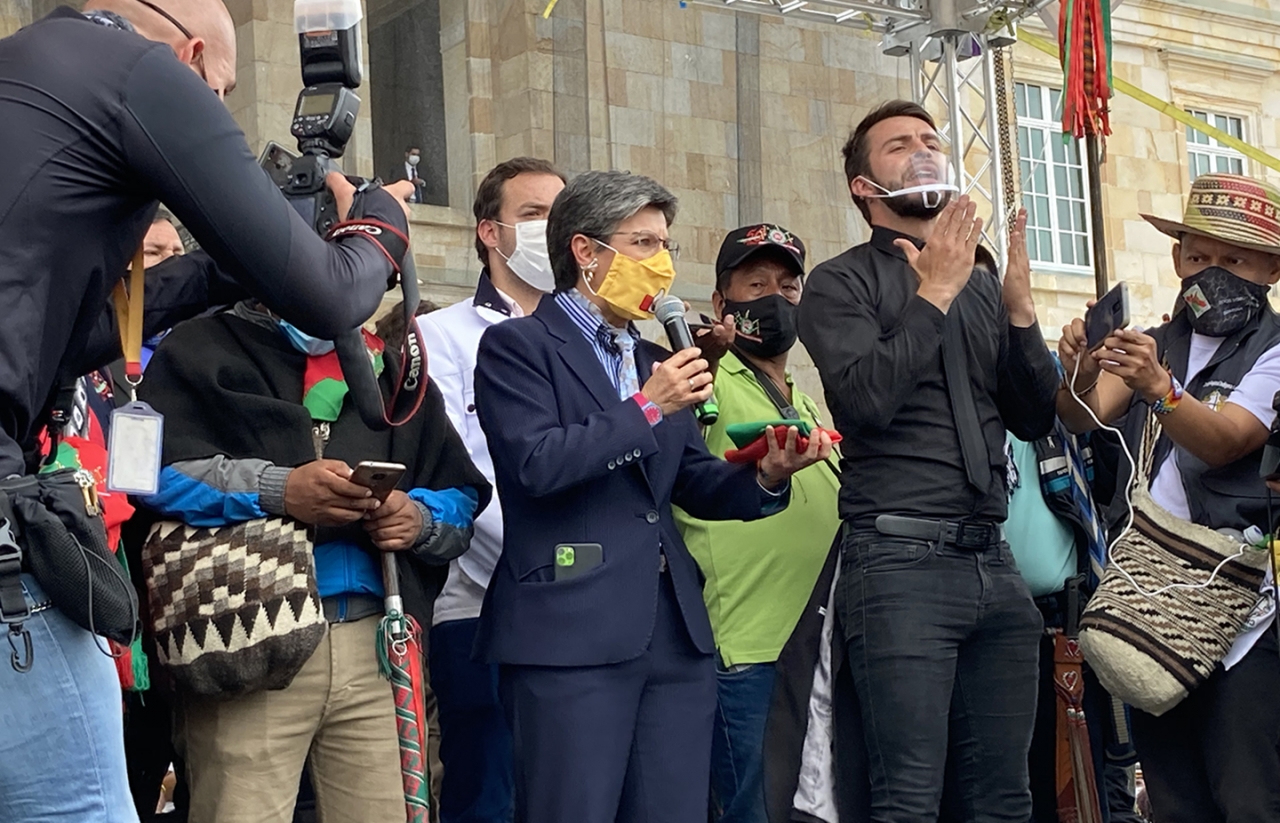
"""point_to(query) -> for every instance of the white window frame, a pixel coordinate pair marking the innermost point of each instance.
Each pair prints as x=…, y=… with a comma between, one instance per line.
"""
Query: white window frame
x=1201, y=146
x=1050, y=130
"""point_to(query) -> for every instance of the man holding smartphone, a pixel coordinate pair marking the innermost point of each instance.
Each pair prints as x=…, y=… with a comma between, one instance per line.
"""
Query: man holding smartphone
x=754, y=593
x=282, y=443
x=1209, y=374
x=102, y=114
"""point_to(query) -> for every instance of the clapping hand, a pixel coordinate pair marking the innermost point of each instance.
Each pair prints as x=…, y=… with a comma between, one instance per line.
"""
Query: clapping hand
x=945, y=264
x=1017, y=278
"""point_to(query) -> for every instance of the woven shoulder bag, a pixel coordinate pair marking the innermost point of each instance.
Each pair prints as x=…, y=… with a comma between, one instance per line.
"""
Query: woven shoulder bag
x=234, y=609
x=1150, y=648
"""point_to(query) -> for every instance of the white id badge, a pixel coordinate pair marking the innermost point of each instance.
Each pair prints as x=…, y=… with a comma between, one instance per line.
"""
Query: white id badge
x=133, y=455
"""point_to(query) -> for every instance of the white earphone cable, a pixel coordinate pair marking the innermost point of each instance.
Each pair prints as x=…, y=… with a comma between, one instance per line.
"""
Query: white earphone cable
x=1128, y=495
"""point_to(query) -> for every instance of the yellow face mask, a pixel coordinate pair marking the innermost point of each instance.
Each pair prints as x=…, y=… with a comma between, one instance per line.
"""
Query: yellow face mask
x=631, y=286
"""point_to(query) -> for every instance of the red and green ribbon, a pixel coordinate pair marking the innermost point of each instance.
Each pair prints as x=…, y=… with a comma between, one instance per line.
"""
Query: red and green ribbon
x=1084, y=39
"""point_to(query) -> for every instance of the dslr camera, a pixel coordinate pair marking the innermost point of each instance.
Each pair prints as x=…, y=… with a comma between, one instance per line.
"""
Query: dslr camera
x=323, y=120
x=325, y=114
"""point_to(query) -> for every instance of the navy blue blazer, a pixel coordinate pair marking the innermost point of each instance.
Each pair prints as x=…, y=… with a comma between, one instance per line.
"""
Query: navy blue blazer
x=574, y=464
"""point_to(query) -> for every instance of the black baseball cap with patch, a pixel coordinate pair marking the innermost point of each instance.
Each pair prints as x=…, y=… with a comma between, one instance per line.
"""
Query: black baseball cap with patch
x=741, y=244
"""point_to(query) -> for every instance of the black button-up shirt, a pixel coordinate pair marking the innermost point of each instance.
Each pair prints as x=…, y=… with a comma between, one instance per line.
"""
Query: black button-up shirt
x=878, y=347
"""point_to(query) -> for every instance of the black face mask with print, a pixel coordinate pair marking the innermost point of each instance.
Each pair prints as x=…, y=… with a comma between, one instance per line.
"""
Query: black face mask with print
x=1219, y=303
x=766, y=327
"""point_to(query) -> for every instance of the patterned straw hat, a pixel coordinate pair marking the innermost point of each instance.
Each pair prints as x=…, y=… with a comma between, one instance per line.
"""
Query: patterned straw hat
x=1237, y=210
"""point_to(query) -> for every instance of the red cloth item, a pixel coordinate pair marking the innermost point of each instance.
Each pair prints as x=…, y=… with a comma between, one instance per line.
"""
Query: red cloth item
x=758, y=448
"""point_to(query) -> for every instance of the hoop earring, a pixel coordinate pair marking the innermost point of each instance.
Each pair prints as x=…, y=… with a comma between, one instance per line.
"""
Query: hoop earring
x=587, y=272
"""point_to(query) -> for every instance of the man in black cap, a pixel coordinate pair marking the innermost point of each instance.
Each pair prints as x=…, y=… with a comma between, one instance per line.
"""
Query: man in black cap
x=760, y=574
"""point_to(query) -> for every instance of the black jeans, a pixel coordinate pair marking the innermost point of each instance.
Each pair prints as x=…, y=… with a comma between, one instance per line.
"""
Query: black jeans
x=1215, y=757
x=944, y=650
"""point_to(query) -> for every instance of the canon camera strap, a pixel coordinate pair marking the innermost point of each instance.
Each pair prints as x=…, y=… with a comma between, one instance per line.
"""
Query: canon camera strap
x=353, y=355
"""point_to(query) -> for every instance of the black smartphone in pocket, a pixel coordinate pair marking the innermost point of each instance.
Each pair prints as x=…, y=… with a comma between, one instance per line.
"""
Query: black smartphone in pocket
x=576, y=559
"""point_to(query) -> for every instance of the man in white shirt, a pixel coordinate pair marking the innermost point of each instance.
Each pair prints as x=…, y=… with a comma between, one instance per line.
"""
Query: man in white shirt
x=511, y=208
x=1215, y=757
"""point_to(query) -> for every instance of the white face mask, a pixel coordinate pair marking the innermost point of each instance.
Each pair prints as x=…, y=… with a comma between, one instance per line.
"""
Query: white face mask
x=414, y=159
x=530, y=261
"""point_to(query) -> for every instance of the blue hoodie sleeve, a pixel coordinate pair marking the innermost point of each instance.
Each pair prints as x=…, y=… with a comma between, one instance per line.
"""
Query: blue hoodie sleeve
x=448, y=516
x=216, y=491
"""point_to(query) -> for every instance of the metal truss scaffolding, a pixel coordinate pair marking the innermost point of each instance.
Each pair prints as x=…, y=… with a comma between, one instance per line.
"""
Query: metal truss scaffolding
x=966, y=97
x=859, y=14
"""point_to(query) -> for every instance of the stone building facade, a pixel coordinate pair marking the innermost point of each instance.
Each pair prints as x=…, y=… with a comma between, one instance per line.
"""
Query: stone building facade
x=743, y=117
x=1209, y=57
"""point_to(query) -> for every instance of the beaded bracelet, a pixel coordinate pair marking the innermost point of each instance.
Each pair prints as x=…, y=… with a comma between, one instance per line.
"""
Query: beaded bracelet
x=1170, y=401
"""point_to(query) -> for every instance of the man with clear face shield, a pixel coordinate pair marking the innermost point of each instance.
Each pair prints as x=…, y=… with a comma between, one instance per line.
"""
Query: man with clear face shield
x=925, y=361
x=511, y=208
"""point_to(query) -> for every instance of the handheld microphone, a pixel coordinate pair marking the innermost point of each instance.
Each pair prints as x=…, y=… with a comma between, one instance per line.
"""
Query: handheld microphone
x=670, y=313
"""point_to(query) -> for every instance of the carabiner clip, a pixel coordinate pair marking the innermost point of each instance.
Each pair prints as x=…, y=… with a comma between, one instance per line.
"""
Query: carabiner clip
x=21, y=661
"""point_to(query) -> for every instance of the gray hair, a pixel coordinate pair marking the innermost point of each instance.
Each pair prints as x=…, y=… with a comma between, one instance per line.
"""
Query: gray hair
x=594, y=204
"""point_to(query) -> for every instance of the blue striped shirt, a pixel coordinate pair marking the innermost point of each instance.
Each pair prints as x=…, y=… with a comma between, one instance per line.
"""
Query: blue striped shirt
x=599, y=334
x=604, y=342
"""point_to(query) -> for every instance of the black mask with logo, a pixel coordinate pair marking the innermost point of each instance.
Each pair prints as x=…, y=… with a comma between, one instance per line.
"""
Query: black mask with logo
x=1219, y=303
x=766, y=327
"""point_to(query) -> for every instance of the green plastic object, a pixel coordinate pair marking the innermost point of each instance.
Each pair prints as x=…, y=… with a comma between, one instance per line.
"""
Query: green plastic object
x=564, y=556
x=744, y=434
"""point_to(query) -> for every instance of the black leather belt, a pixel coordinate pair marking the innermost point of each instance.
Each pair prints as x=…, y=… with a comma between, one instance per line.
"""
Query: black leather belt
x=974, y=535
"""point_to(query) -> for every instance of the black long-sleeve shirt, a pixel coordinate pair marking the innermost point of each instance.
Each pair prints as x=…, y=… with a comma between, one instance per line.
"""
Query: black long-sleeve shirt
x=177, y=289
x=97, y=125
x=878, y=347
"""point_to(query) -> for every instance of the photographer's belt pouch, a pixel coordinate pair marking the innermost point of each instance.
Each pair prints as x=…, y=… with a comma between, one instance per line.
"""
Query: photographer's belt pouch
x=14, y=611
x=57, y=527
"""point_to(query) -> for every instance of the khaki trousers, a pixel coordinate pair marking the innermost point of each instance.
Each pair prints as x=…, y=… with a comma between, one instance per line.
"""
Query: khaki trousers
x=245, y=756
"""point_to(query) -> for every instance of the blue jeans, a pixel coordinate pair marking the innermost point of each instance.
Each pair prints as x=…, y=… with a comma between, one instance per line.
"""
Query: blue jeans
x=475, y=742
x=62, y=727
x=944, y=651
x=737, y=749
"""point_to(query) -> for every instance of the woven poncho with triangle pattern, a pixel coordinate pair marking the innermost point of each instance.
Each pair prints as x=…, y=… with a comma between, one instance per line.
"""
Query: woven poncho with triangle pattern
x=228, y=386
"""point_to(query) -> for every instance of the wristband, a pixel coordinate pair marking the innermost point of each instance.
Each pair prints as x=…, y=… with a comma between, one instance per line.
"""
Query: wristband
x=1171, y=400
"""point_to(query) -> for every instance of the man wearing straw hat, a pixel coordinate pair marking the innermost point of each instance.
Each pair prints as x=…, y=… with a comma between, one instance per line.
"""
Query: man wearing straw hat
x=1210, y=375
